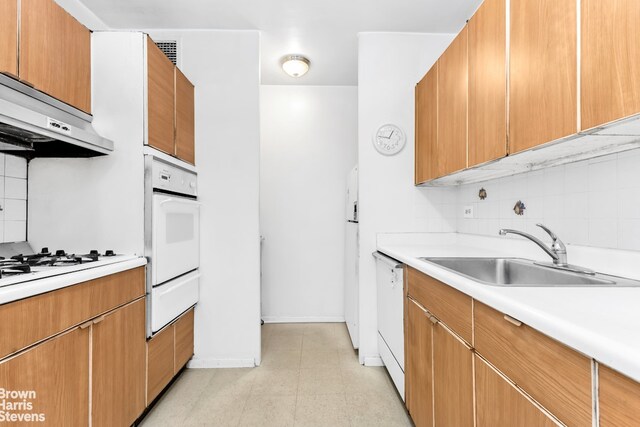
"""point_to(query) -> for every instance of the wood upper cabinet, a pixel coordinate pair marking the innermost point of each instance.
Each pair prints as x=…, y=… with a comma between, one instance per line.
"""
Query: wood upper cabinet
x=118, y=366
x=9, y=37
x=619, y=399
x=185, y=119
x=542, y=72
x=452, y=106
x=452, y=379
x=161, y=99
x=57, y=371
x=488, y=83
x=500, y=404
x=427, y=165
x=419, y=365
x=55, y=53
x=610, y=61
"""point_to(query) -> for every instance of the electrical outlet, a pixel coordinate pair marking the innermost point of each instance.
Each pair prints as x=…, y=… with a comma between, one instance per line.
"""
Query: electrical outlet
x=468, y=211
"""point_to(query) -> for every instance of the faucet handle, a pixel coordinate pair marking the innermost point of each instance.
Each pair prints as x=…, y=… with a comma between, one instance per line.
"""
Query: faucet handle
x=556, y=239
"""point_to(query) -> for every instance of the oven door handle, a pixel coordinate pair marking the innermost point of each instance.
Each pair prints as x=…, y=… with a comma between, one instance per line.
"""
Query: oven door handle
x=172, y=200
x=180, y=283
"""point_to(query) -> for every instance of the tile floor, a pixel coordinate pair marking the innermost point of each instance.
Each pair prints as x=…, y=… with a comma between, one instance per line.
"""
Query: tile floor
x=310, y=376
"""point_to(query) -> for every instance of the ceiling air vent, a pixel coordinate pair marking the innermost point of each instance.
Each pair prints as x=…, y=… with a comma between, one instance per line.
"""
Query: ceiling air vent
x=170, y=48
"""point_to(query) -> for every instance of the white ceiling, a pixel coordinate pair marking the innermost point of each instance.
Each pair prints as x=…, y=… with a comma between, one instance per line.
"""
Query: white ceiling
x=323, y=30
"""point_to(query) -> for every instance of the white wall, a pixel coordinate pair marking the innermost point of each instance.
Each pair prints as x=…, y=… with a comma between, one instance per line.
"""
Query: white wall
x=83, y=14
x=593, y=203
x=308, y=147
x=224, y=66
x=389, y=66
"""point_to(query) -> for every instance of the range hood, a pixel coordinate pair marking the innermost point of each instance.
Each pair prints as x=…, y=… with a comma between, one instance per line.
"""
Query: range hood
x=33, y=124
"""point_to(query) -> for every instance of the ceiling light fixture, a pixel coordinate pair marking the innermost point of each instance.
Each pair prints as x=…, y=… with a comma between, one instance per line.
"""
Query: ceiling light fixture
x=295, y=65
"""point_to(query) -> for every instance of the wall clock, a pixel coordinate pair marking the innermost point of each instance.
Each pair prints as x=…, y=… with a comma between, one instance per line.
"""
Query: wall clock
x=389, y=139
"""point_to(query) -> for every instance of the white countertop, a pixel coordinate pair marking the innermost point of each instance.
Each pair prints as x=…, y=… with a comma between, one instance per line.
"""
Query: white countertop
x=600, y=322
x=65, y=276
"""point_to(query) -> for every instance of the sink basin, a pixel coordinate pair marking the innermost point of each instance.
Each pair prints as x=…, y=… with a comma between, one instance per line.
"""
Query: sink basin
x=523, y=272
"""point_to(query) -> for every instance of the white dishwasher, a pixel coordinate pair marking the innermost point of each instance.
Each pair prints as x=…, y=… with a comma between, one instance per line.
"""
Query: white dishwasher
x=390, y=284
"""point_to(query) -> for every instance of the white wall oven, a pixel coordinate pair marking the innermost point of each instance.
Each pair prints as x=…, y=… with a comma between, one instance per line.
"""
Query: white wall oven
x=172, y=241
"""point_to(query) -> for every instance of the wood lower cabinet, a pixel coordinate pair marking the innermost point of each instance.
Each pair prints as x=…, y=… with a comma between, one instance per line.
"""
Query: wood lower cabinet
x=160, y=362
x=118, y=366
x=487, y=83
x=28, y=321
x=610, y=61
x=452, y=379
x=427, y=165
x=185, y=119
x=55, y=53
x=167, y=352
x=500, y=404
x=452, y=106
x=56, y=376
x=419, y=365
x=619, y=399
x=183, y=340
x=9, y=37
x=542, y=72
x=554, y=375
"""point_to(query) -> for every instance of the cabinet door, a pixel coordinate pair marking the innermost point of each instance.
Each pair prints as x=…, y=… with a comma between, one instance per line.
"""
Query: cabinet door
x=488, y=83
x=501, y=404
x=55, y=53
x=183, y=340
x=9, y=37
x=160, y=99
x=160, y=361
x=452, y=379
x=426, y=152
x=185, y=109
x=619, y=398
x=452, y=105
x=418, y=365
x=56, y=376
x=542, y=72
x=610, y=61
x=118, y=370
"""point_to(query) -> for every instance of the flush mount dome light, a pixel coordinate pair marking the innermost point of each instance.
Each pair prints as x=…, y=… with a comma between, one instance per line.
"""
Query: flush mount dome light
x=295, y=65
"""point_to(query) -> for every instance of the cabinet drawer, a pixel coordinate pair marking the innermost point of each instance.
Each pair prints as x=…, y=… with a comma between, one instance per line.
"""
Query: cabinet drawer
x=160, y=361
x=184, y=340
x=619, y=398
x=452, y=307
x=553, y=374
x=28, y=321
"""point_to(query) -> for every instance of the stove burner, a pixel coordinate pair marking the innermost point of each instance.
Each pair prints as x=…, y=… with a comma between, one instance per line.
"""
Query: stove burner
x=11, y=269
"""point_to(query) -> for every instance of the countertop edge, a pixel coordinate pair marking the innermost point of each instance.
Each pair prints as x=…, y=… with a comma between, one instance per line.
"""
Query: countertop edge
x=20, y=291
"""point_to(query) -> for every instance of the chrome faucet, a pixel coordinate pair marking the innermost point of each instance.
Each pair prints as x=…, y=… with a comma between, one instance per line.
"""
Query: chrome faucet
x=557, y=251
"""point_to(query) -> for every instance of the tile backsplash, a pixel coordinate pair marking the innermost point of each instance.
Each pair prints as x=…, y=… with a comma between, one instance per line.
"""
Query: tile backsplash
x=13, y=198
x=594, y=202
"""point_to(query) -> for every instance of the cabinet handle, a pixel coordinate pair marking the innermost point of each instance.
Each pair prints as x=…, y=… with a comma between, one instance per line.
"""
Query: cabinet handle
x=433, y=319
x=85, y=325
x=98, y=320
x=513, y=321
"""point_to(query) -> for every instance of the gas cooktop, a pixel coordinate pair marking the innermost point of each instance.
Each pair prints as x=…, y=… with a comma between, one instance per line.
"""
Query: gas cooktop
x=19, y=263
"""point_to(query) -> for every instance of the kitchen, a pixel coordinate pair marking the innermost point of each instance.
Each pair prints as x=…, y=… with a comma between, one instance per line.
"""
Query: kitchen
x=158, y=147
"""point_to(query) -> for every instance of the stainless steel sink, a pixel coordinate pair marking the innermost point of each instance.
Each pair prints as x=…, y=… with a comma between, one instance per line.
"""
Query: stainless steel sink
x=524, y=272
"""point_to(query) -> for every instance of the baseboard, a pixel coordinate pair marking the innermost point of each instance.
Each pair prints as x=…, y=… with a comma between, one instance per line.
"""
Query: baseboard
x=373, y=361
x=221, y=363
x=309, y=319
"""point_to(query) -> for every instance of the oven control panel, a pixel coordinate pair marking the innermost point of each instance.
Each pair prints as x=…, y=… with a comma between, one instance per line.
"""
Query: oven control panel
x=173, y=178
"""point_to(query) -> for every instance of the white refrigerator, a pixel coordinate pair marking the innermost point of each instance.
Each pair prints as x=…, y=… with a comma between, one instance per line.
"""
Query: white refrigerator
x=351, y=258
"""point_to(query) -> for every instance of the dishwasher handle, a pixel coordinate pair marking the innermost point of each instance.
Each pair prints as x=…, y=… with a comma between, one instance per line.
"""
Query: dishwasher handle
x=387, y=260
